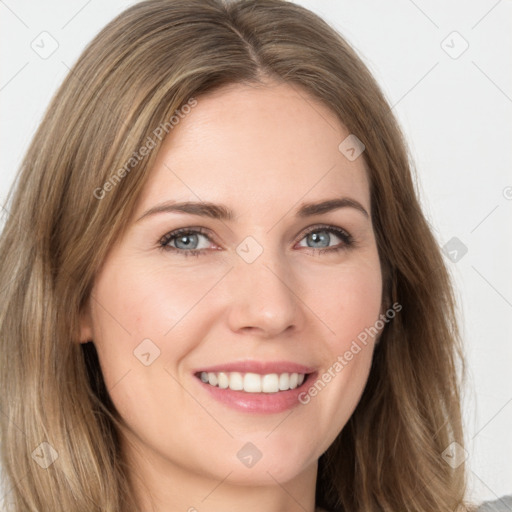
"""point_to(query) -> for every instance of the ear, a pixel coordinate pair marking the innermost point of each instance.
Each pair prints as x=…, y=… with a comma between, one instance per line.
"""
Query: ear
x=86, y=324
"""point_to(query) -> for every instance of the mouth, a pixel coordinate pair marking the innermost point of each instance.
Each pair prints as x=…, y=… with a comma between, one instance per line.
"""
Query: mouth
x=256, y=387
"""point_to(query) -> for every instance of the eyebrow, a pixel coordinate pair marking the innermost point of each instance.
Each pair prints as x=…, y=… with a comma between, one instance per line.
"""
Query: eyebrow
x=221, y=212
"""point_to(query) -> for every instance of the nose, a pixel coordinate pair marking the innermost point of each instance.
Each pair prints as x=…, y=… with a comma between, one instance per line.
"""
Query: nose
x=264, y=299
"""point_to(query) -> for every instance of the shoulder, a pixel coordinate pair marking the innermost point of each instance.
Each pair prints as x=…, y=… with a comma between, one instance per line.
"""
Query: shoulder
x=503, y=504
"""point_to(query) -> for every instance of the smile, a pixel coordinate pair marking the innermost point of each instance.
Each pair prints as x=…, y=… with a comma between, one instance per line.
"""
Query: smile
x=264, y=387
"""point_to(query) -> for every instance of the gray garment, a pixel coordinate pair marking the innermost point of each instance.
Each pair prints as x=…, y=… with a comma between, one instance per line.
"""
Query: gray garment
x=503, y=504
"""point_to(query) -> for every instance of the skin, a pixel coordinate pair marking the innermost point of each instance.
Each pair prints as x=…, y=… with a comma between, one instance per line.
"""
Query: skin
x=262, y=151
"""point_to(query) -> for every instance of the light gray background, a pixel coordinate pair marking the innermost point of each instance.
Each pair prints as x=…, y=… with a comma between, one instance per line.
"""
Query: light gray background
x=456, y=111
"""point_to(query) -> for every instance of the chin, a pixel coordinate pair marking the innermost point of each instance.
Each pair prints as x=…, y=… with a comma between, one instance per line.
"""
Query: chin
x=251, y=466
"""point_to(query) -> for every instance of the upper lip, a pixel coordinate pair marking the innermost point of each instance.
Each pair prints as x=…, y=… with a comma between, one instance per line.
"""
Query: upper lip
x=261, y=367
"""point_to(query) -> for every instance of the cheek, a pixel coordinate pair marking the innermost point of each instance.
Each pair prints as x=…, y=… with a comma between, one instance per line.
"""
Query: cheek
x=127, y=311
x=346, y=299
x=349, y=307
x=138, y=302
x=358, y=299
x=145, y=309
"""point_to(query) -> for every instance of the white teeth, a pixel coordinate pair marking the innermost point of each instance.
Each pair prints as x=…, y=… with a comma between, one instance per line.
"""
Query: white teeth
x=270, y=383
x=235, y=381
x=253, y=382
x=223, y=380
x=284, y=381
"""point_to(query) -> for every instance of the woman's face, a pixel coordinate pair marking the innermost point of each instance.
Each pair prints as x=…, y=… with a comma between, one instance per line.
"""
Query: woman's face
x=278, y=287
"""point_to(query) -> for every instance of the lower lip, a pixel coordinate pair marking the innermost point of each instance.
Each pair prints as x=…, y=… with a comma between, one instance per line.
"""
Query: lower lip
x=266, y=403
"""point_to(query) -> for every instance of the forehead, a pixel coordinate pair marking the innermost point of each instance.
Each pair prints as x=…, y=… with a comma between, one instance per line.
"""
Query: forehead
x=252, y=146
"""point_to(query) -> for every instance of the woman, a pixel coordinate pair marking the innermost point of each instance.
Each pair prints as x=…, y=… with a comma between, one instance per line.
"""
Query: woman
x=306, y=358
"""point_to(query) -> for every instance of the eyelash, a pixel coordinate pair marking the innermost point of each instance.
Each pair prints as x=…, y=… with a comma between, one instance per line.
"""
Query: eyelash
x=348, y=241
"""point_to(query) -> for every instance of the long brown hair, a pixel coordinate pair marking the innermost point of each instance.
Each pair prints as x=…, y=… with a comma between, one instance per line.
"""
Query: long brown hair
x=141, y=69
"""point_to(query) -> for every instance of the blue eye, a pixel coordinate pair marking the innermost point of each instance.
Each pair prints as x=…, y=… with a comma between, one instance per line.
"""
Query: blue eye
x=321, y=236
x=184, y=240
x=187, y=241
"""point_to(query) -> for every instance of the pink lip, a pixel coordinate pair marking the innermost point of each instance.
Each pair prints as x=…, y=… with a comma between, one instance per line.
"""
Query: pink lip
x=264, y=403
x=260, y=367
